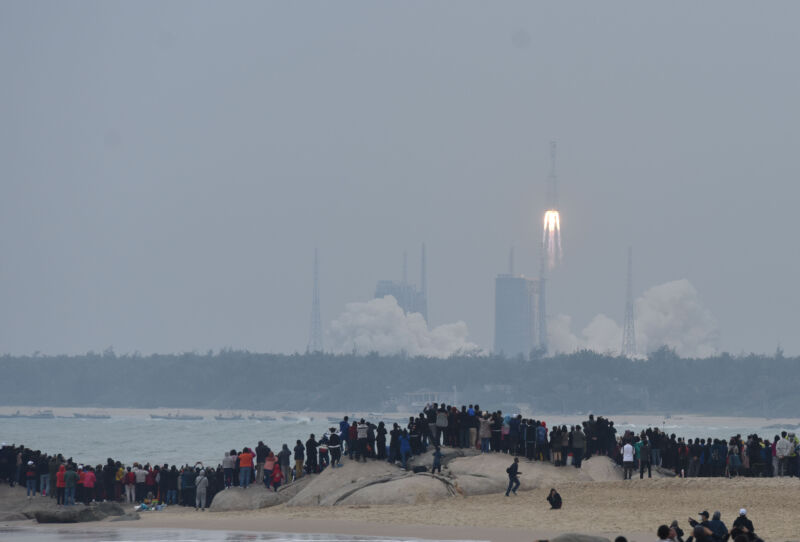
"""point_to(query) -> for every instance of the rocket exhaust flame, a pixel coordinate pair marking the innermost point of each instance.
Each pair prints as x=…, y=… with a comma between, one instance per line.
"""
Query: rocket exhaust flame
x=551, y=239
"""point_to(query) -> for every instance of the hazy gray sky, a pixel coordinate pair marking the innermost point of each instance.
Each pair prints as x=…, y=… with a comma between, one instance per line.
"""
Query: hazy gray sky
x=167, y=168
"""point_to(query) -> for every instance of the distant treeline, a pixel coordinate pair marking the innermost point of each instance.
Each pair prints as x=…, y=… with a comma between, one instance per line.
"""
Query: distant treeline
x=753, y=385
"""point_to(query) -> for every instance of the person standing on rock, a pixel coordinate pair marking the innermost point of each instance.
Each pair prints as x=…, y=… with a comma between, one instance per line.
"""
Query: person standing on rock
x=344, y=434
x=269, y=466
x=261, y=456
x=283, y=460
x=394, y=443
x=277, y=475
x=361, y=436
x=578, y=446
x=437, y=460
x=405, y=448
x=245, y=467
x=311, y=454
x=299, y=458
x=335, y=448
x=228, y=463
x=513, y=477
x=380, y=441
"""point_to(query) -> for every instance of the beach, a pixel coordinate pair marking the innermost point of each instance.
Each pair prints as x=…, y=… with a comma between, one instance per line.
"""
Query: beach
x=630, y=508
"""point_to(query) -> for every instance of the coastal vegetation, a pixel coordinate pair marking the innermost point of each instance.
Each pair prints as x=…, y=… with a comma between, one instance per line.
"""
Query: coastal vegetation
x=741, y=385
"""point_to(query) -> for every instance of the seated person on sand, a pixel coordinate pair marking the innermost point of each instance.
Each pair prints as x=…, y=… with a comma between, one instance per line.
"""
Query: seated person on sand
x=554, y=499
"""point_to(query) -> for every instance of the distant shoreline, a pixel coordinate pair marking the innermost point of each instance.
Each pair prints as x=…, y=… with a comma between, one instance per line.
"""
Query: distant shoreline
x=653, y=420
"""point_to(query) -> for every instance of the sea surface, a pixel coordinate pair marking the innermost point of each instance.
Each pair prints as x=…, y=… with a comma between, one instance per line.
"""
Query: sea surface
x=43, y=534
x=130, y=436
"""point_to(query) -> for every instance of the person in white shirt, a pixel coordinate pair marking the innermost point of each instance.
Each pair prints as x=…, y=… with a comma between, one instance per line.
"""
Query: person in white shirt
x=627, y=460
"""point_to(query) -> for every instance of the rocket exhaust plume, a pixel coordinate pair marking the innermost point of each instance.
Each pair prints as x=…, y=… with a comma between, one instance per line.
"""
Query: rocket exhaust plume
x=551, y=239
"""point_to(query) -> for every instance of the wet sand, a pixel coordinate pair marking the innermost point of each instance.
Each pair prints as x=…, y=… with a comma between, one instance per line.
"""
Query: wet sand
x=630, y=508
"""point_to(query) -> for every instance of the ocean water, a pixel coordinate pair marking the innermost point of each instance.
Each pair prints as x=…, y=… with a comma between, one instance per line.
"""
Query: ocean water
x=130, y=438
x=44, y=534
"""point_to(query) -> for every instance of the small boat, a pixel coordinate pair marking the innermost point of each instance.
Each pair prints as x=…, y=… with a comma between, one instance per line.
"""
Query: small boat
x=288, y=419
x=14, y=415
x=231, y=418
x=41, y=415
x=255, y=418
x=170, y=416
x=91, y=416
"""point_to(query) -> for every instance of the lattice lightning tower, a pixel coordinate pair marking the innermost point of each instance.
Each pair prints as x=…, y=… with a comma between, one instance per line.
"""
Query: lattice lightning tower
x=628, y=330
x=315, y=340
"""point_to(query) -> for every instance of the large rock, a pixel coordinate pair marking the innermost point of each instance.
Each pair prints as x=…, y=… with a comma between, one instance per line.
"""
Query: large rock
x=78, y=513
x=333, y=485
x=407, y=489
x=255, y=497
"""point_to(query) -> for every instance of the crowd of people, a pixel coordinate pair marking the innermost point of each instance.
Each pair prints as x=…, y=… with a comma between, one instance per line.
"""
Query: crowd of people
x=69, y=481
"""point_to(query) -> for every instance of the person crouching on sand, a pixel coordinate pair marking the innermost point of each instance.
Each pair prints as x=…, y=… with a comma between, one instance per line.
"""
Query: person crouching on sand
x=554, y=499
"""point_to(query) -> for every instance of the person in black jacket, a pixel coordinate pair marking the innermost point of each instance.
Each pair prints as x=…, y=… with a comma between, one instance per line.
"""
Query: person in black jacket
x=262, y=451
x=554, y=499
x=311, y=454
x=513, y=477
x=743, y=522
x=380, y=441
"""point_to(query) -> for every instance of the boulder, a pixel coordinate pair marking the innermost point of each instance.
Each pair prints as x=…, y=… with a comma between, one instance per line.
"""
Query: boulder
x=333, y=485
x=407, y=489
x=255, y=497
x=78, y=513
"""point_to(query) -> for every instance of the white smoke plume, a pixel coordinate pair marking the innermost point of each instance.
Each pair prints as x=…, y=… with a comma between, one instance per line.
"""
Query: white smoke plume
x=381, y=326
x=670, y=315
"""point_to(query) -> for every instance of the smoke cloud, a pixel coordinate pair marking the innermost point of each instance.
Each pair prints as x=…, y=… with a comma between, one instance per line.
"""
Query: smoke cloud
x=381, y=326
x=670, y=314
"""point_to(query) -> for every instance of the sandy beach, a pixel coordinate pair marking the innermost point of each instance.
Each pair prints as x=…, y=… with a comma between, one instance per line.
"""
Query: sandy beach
x=634, y=509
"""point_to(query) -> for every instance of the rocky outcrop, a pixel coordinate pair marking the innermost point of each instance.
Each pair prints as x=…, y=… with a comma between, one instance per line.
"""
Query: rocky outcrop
x=78, y=513
x=255, y=497
x=464, y=473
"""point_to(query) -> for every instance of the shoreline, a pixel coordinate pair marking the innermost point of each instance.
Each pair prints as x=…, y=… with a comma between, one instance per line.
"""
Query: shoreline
x=240, y=522
x=652, y=420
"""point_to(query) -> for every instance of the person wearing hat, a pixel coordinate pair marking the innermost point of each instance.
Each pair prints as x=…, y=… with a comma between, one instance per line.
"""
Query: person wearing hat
x=703, y=521
x=30, y=479
x=743, y=522
x=335, y=448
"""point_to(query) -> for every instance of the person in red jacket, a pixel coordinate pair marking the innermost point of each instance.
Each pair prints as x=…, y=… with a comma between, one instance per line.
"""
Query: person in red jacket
x=89, y=480
x=79, y=489
x=60, y=484
x=276, y=476
x=130, y=486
